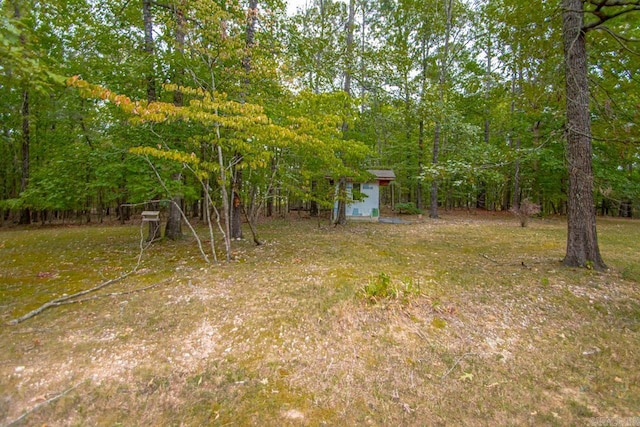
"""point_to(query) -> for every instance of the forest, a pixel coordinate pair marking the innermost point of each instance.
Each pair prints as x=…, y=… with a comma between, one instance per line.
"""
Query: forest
x=231, y=110
x=229, y=116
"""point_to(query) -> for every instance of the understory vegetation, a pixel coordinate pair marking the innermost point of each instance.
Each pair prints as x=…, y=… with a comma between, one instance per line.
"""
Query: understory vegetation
x=465, y=320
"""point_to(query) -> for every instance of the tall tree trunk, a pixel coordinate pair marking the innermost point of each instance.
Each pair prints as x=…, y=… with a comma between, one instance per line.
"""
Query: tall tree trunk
x=349, y=48
x=515, y=143
x=271, y=191
x=582, y=241
x=250, y=34
x=315, y=80
x=433, y=204
x=363, y=30
x=225, y=200
x=433, y=209
x=149, y=49
x=154, y=228
x=424, y=62
x=236, y=202
x=173, y=229
x=25, y=213
x=236, y=205
x=419, y=203
x=341, y=217
x=481, y=199
x=487, y=93
x=123, y=210
x=535, y=130
x=516, y=176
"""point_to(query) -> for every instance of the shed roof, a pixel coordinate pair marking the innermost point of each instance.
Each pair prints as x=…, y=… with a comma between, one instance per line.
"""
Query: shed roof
x=383, y=174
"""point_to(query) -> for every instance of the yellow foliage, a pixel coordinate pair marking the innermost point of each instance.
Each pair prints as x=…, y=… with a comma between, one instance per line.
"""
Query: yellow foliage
x=238, y=128
x=200, y=169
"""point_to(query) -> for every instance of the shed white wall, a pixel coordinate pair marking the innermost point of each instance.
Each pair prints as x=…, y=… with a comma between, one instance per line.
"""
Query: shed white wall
x=370, y=206
x=367, y=209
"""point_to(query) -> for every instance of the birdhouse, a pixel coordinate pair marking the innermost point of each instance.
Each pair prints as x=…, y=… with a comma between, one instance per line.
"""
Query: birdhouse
x=151, y=216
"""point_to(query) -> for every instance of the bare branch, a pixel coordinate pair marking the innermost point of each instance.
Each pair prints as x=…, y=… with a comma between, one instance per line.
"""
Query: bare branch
x=61, y=300
x=114, y=294
x=39, y=405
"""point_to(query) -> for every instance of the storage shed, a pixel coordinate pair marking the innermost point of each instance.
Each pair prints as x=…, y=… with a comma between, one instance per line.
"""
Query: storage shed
x=367, y=209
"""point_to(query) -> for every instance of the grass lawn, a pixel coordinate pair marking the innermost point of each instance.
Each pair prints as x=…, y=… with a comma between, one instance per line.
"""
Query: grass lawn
x=465, y=320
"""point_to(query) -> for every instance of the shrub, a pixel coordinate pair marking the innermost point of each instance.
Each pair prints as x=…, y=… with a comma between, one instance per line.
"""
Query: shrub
x=408, y=208
x=381, y=287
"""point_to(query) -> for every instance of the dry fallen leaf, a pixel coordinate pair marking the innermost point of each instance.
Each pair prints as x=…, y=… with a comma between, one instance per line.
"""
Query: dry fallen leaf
x=467, y=376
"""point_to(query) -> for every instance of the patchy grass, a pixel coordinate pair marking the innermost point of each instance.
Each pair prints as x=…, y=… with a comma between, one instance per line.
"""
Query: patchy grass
x=474, y=322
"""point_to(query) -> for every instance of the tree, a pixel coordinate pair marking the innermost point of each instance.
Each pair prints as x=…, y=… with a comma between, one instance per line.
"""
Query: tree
x=27, y=82
x=173, y=229
x=501, y=73
x=149, y=49
x=341, y=217
x=582, y=242
x=25, y=216
x=236, y=190
x=444, y=59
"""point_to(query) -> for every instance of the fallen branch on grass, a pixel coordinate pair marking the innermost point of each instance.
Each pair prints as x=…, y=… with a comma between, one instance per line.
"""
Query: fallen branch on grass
x=521, y=263
x=63, y=299
x=490, y=259
x=458, y=360
x=60, y=301
x=112, y=294
x=39, y=405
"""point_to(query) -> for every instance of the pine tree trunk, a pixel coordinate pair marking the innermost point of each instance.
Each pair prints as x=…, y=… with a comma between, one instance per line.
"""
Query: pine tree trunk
x=582, y=241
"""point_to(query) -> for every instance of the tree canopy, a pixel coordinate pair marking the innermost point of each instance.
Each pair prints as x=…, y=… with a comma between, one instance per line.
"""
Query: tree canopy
x=464, y=100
